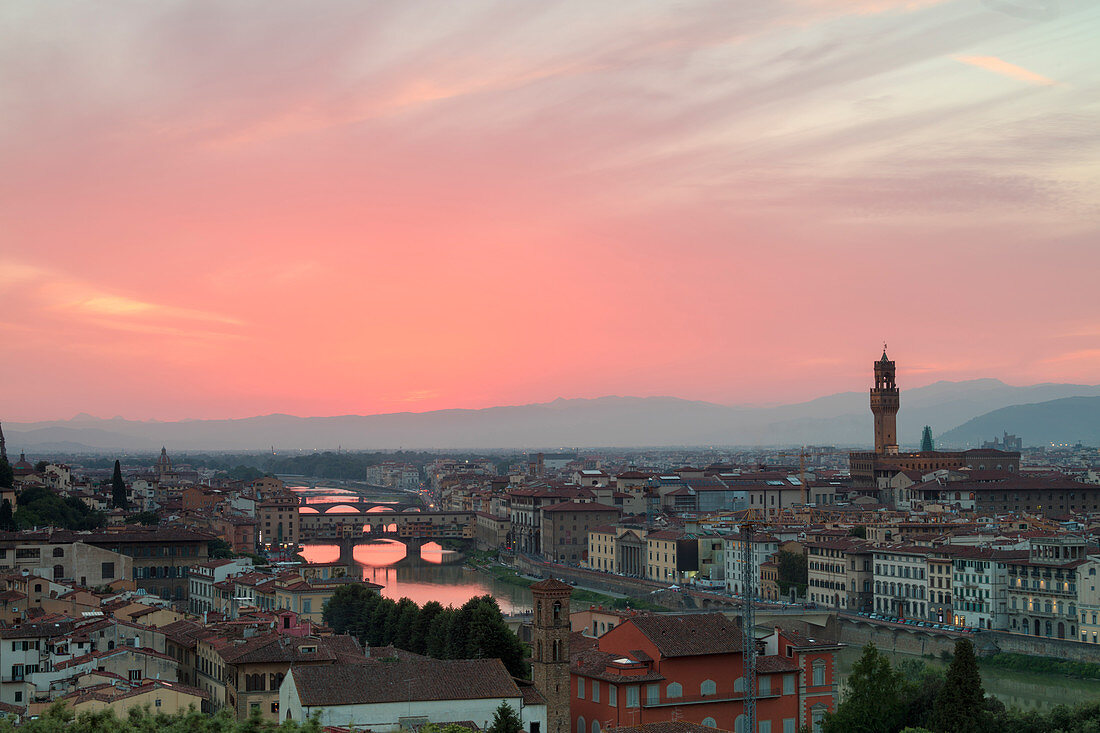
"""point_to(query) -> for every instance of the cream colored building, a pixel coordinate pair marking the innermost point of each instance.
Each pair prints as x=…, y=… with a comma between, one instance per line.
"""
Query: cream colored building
x=1088, y=600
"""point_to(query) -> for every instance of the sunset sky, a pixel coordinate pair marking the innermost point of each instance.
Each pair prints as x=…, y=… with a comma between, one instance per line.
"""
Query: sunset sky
x=224, y=209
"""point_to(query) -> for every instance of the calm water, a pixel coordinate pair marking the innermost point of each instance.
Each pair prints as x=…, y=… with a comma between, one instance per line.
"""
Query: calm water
x=1014, y=689
x=425, y=577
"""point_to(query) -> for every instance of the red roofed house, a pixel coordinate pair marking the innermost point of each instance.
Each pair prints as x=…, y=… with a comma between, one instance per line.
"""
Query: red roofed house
x=654, y=668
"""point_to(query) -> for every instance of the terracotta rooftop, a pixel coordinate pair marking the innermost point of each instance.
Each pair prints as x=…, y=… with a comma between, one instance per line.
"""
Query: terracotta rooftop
x=364, y=684
x=685, y=635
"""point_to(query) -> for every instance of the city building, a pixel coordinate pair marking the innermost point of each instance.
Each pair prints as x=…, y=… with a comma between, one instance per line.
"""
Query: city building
x=565, y=527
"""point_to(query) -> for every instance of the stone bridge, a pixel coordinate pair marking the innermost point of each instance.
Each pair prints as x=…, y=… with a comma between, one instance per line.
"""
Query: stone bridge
x=361, y=506
x=401, y=526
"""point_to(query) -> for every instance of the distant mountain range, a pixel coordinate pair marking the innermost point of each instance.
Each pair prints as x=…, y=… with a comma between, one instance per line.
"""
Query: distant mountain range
x=1068, y=420
x=980, y=408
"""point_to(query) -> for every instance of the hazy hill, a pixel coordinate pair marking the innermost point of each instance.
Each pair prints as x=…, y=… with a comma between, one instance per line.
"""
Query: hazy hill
x=1067, y=420
x=841, y=419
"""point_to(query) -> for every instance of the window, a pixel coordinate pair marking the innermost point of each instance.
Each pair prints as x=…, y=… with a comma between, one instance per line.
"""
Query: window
x=765, y=726
x=135, y=675
x=595, y=726
x=595, y=690
x=789, y=725
x=741, y=725
x=788, y=684
x=59, y=552
x=652, y=694
x=675, y=690
x=612, y=696
x=819, y=673
x=632, y=696
x=708, y=688
x=710, y=722
x=255, y=704
x=580, y=688
x=739, y=684
x=765, y=685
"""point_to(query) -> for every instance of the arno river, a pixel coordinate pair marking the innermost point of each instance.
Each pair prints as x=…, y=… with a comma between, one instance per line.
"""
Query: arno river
x=428, y=577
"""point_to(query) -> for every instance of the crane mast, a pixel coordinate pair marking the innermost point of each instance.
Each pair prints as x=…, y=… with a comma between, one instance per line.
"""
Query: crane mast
x=748, y=623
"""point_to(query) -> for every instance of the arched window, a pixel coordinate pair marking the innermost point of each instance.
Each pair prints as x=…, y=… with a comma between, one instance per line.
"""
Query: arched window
x=710, y=722
x=595, y=726
x=580, y=725
x=675, y=690
x=557, y=650
x=708, y=688
x=557, y=610
x=59, y=552
x=817, y=714
x=741, y=725
x=538, y=650
x=739, y=684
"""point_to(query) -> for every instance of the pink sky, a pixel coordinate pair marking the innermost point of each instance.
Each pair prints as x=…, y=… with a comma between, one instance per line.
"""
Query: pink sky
x=230, y=209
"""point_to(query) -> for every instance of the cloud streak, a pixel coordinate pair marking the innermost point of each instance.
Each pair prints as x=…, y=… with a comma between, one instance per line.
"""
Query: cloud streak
x=1010, y=70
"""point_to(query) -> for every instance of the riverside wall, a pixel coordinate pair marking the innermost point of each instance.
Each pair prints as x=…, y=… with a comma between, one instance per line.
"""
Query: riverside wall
x=918, y=641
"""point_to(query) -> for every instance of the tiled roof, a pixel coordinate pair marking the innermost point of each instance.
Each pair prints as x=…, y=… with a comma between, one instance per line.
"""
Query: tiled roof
x=273, y=648
x=580, y=506
x=364, y=684
x=593, y=663
x=685, y=635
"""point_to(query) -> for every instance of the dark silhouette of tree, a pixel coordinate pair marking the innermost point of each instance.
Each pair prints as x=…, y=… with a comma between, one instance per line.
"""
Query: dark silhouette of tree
x=874, y=701
x=960, y=705
x=118, y=489
x=7, y=475
x=7, y=520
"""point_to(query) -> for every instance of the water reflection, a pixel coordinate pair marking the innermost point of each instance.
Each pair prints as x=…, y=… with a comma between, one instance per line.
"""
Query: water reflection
x=423, y=577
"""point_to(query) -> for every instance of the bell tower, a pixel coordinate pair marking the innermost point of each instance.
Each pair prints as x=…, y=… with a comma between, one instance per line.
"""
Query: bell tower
x=885, y=402
x=550, y=655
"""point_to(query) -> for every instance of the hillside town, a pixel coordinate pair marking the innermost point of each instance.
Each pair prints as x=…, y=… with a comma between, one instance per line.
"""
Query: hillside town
x=180, y=588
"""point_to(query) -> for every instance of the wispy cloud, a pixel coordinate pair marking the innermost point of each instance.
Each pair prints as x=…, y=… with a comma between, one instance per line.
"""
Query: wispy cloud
x=1004, y=68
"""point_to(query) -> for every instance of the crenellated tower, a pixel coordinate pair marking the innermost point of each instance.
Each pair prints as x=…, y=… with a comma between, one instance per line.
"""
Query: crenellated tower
x=885, y=402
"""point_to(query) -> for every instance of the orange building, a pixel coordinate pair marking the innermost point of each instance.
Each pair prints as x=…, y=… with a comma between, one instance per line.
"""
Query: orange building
x=660, y=668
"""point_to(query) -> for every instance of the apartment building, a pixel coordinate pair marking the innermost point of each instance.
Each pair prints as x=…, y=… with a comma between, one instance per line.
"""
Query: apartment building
x=979, y=583
x=840, y=573
x=1088, y=600
x=901, y=581
x=1043, y=587
x=733, y=555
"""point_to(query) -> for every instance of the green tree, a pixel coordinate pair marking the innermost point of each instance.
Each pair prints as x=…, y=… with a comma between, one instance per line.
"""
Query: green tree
x=219, y=549
x=960, y=705
x=858, y=531
x=794, y=571
x=505, y=720
x=7, y=475
x=41, y=466
x=118, y=489
x=40, y=507
x=7, y=520
x=407, y=615
x=344, y=611
x=149, y=519
x=873, y=703
x=422, y=631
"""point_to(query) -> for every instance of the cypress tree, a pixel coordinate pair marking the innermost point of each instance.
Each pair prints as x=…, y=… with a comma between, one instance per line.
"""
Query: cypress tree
x=118, y=489
x=960, y=706
x=7, y=519
x=7, y=474
x=505, y=720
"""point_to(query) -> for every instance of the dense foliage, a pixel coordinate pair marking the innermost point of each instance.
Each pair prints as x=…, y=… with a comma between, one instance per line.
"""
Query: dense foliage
x=7, y=518
x=60, y=719
x=474, y=631
x=794, y=570
x=39, y=507
x=149, y=519
x=1025, y=663
x=913, y=698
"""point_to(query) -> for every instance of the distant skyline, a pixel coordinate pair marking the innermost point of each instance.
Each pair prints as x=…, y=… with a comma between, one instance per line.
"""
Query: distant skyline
x=213, y=210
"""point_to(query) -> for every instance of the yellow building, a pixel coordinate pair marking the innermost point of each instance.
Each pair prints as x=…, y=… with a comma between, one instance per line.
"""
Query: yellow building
x=158, y=695
x=601, y=548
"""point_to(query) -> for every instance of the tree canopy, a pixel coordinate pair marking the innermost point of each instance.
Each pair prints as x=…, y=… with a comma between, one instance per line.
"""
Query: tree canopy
x=476, y=630
x=7, y=474
x=40, y=507
x=59, y=718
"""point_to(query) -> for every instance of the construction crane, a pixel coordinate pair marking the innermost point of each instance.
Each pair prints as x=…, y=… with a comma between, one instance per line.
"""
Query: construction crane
x=802, y=455
x=748, y=622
